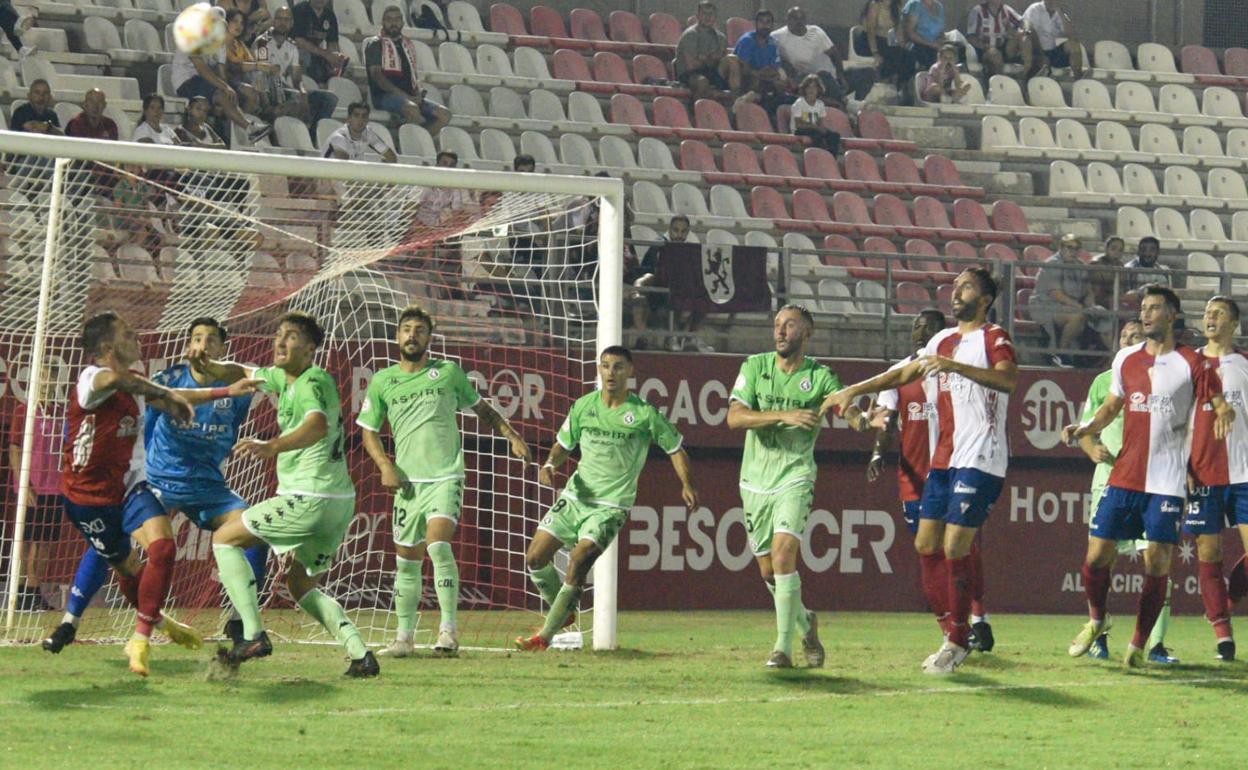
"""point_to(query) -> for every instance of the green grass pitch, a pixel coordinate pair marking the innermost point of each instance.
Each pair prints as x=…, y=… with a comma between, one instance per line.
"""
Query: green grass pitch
x=686, y=690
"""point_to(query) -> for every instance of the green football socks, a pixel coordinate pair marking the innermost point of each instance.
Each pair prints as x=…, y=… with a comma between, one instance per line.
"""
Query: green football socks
x=802, y=619
x=568, y=599
x=547, y=582
x=331, y=615
x=407, y=591
x=445, y=582
x=788, y=601
x=239, y=580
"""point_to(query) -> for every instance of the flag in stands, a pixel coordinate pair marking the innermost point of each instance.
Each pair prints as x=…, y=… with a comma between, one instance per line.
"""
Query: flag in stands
x=715, y=278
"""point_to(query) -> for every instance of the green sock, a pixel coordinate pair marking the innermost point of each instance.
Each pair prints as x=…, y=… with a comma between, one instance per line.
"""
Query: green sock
x=569, y=598
x=547, y=582
x=1158, y=636
x=788, y=600
x=802, y=619
x=407, y=589
x=330, y=615
x=445, y=581
x=240, y=585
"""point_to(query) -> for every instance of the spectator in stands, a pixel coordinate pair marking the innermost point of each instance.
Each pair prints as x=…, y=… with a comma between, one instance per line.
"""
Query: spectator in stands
x=1064, y=300
x=14, y=26
x=806, y=116
x=924, y=25
x=646, y=304
x=36, y=116
x=524, y=163
x=195, y=131
x=198, y=76
x=757, y=56
x=284, y=86
x=1103, y=280
x=1053, y=33
x=43, y=503
x=151, y=130
x=945, y=82
x=356, y=137
x=878, y=38
x=255, y=17
x=241, y=66
x=392, y=78
x=443, y=207
x=702, y=63
x=440, y=206
x=806, y=49
x=996, y=32
x=1145, y=269
x=315, y=31
x=92, y=123
x=677, y=232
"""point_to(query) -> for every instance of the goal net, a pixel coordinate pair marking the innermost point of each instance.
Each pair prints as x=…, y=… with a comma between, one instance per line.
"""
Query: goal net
x=521, y=272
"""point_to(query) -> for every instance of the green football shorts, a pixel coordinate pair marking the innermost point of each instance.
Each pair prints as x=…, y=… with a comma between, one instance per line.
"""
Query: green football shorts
x=573, y=520
x=312, y=528
x=420, y=501
x=768, y=513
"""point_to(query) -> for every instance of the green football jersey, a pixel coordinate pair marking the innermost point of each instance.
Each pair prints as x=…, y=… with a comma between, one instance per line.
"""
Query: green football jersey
x=614, y=444
x=319, y=470
x=422, y=408
x=1111, y=437
x=781, y=455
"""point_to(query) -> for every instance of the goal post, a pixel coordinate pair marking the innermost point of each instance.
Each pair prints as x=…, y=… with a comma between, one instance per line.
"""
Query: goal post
x=202, y=233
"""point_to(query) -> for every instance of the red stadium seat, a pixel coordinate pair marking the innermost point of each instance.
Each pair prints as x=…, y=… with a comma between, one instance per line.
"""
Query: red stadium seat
x=944, y=298
x=507, y=19
x=708, y=113
x=735, y=27
x=901, y=168
x=810, y=205
x=912, y=298
x=625, y=27
x=850, y=209
x=610, y=68
x=1198, y=60
x=696, y=156
x=839, y=122
x=751, y=117
x=940, y=171
x=930, y=213
x=1236, y=60
x=959, y=250
x=1007, y=217
x=767, y=203
x=647, y=69
x=544, y=20
x=627, y=110
x=969, y=215
x=1022, y=298
x=740, y=159
x=664, y=29
x=838, y=242
x=1000, y=252
x=924, y=256
x=586, y=25
x=872, y=124
x=820, y=164
x=671, y=112
x=1033, y=258
x=570, y=65
x=779, y=161
x=890, y=211
x=862, y=167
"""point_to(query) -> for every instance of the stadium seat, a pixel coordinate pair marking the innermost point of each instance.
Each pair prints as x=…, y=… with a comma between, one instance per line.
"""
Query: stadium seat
x=1154, y=57
x=889, y=211
x=608, y=67
x=1137, y=99
x=1073, y=135
x=1198, y=60
x=538, y=144
x=740, y=159
x=1133, y=223
x=833, y=297
x=1065, y=179
x=834, y=119
x=1091, y=95
x=497, y=146
x=353, y=19
x=627, y=110
x=324, y=128
x=416, y=142
x=1139, y=181
x=1036, y=133
x=576, y=150
x=1008, y=217
x=696, y=156
x=649, y=70
x=850, y=212
x=1236, y=62
x=529, y=63
x=1033, y=258
x=571, y=65
x=1004, y=91
x=648, y=198
x=1205, y=225
x=970, y=215
x=810, y=206
x=939, y=170
x=586, y=25
x=923, y=257
x=1185, y=183
x=820, y=164
x=625, y=27
x=492, y=60
x=664, y=29
x=1161, y=141
x=1115, y=138
x=1170, y=225
x=959, y=250
x=1103, y=179
x=1179, y=100
x=803, y=261
x=507, y=19
x=688, y=200
x=861, y=166
x=544, y=105
x=616, y=152
x=751, y=117
x=998, y=134
x=766, y=203
x=1237, y=143
x=1218, y=102
x=463, y=16
x=1112, y=55
x=654, y=154
x=585, y=108
x=465, y=101
x=873, y=124
x=1236, y=266
x=726, y=202
x=547, y=22
x=1001, y=253
x=944, y=298
x=1201, y=262
x=735, y=27
x=506, y=103
x=1239, y=226
x=1227, y=185
x=871, y=298
x=453, y=57
x=710, y=114
x=1201, y=141
x=459, y=141
x=292, y=134
x=1045, y=92
x=846, y=259
x=931, y=214
x=911, y=298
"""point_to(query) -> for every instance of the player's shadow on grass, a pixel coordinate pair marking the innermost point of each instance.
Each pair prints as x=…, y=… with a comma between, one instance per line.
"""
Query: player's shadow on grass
x=630, y=653
x=1034, y=694
x=807, y=680
x=105, y=694
x=290, y=690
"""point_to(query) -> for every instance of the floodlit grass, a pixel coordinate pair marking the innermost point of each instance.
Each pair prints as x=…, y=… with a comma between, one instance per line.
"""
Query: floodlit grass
x=686, y=690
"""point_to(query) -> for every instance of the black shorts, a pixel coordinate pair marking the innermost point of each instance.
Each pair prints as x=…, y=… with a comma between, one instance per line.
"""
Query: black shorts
x=1058, y=57
x=198, y=85
x=710, y=73
x=44, y=514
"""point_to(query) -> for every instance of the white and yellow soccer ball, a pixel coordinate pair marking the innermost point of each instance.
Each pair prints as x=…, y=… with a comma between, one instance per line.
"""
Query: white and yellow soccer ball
x=199, y=30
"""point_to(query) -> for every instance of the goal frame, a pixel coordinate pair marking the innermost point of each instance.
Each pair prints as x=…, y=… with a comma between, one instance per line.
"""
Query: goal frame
x=63, y=150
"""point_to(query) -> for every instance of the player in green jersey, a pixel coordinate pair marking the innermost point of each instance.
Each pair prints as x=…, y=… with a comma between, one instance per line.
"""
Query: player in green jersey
x=315, y=499
x=776, y=401
x=1103, y=449
x=614, y=429
x=420, y=398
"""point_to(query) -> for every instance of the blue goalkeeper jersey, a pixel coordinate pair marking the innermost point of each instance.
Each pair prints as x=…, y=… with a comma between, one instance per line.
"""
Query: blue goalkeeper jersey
x=187, y=460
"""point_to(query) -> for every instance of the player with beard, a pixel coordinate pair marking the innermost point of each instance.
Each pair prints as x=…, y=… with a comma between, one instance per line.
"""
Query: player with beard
x=970, y=371
x=421, y=397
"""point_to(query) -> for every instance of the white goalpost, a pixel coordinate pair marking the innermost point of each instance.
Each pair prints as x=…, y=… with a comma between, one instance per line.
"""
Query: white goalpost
x=522, y=271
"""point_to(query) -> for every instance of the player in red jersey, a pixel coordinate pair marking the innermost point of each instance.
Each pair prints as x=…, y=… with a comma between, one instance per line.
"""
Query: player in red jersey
x=102, y=484
x=1219, y=469
x=969, y=371
x=1160, y=383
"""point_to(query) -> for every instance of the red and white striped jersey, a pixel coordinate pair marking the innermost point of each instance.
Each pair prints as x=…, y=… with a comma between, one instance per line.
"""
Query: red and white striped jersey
x=913, y=416
x=1218, y=463
x=103, y=454
x=969, y=429
x=1159, y=395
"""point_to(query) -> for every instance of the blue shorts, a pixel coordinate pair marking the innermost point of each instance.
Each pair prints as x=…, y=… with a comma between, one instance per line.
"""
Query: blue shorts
x=1213, y=508
x=394, y=103
x=107, y=528
x=203, y=506
x=910, y=514
x=960, y=496
x=197, y=85
x=1125, y=514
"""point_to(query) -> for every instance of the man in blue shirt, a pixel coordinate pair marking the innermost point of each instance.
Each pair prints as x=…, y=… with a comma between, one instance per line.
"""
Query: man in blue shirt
x=758, y=54
x=924, y=24
x=185, y=470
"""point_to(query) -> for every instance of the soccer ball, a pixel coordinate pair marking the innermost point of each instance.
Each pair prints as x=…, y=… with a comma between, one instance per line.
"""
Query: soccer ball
x=199, y=30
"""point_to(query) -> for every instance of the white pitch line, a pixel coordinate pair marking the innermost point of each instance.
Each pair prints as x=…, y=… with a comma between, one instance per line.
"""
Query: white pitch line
x=953, y=690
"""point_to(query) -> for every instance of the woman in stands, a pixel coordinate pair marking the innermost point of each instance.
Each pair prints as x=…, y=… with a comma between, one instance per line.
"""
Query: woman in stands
x=151, y=130
x=256, y=17
x=877, y=38
x=195, y=130
x=241, y=66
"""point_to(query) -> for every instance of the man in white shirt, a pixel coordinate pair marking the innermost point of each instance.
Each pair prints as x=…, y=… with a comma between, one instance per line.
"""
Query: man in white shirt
x=203, y=76
x=285, y=89
x=995, y=30
x=356, y=137
x=1053, y=32
x=806, y=49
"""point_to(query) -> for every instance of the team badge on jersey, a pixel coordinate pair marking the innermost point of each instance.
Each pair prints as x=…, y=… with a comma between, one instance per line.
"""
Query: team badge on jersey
x=806, y=385
x=629, y=418
x=127, y=426
x=222, y=403
x=434, y=374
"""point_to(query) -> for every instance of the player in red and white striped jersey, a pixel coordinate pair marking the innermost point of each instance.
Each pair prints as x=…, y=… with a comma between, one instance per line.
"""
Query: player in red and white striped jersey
x=1219, y=469
x=1159, y=383
x=970, y=371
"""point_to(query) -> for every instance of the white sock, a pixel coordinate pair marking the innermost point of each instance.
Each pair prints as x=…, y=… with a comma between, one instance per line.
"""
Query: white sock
x=407, y=636
x=979, y=619
x=73, y=620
